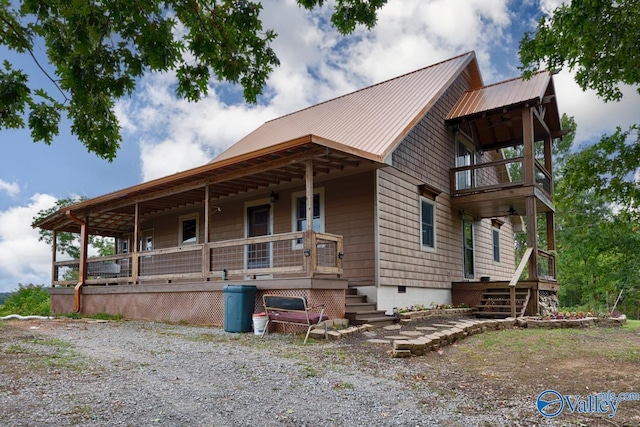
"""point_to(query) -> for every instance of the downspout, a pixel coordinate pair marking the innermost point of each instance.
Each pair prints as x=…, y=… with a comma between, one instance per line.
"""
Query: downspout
x=82, y=269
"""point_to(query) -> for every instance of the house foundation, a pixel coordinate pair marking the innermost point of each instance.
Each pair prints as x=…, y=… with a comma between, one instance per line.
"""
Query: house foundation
x=197, y=303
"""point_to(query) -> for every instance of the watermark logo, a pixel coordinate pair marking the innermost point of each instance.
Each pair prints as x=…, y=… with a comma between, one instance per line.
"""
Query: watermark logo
x=551, y=403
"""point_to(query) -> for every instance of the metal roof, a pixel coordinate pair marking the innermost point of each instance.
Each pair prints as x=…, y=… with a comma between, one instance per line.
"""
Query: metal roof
x=369, y=122
x=501, y=95
x=495, y=110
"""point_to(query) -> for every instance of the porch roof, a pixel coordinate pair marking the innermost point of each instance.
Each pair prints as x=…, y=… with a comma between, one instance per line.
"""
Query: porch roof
x=495, y=111
x=114, y=213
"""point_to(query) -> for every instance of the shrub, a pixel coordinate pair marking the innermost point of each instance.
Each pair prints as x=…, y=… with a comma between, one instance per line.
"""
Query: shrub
x=27, y=300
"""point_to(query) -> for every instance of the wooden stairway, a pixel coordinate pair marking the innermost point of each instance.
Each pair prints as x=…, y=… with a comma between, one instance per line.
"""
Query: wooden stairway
x=496, y=302
x=359, y=311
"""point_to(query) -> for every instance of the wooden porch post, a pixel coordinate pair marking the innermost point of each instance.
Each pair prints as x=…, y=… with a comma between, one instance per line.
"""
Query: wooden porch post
x=206, y=259
x=309, y=237
x=82, y=268
x=84, y=244
x=135, y=260
x=54, y=249
x=530, y=180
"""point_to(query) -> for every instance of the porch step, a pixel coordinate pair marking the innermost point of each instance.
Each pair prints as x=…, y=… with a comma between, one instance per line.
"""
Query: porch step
x=355, y=299
x=359, y=311
x=359, y=306
x=496, y=302
x=364, y=315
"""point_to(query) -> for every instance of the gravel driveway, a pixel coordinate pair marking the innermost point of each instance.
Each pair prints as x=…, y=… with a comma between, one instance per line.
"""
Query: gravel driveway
x=134, y=373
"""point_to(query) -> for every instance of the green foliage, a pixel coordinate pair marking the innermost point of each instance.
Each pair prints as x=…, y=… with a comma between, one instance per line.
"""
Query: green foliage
x=598, y=39
x=3, y=297
x=597, y=228
x=99, y=50
x=27, y=300
x=609, y=168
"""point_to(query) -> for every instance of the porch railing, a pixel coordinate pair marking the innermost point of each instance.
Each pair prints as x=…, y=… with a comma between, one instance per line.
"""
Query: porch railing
x=303, y=254
x=546, y=265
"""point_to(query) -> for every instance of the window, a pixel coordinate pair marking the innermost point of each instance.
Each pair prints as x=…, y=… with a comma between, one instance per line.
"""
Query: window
x=427, y=224
x=299, y=214
x=467, y=240
x=496, y=244
x=465, y=156
x=124, y=245
x=188, y=229
x=146, y=240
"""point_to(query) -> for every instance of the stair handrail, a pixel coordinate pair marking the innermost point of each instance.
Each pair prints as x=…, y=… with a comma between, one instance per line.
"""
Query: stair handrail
x=516, y=277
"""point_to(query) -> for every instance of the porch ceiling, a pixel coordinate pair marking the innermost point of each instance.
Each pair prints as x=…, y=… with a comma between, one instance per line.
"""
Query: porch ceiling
x=114, y=213
x=501, y=203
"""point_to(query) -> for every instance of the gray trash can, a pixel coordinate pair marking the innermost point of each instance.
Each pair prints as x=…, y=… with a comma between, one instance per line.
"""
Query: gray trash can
x=239, y=303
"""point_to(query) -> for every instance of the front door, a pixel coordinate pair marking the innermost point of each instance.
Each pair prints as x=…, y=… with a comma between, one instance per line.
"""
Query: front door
x=258, y=224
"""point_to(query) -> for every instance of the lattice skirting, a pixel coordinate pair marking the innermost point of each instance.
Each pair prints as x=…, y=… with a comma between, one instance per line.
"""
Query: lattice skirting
x=196, y=307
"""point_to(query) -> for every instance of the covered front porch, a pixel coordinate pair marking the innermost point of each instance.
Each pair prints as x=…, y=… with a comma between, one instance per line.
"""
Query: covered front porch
x=230, y=222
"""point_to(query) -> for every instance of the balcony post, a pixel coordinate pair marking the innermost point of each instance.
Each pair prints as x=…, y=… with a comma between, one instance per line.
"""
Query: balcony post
x=529, y=176
x=309, y=236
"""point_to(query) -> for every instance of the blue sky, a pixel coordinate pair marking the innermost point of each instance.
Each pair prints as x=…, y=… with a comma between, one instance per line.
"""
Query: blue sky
x=163, y=135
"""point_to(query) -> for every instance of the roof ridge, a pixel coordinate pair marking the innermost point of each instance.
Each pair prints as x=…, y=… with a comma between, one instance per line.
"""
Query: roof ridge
x=471, y=52
x=520, y=77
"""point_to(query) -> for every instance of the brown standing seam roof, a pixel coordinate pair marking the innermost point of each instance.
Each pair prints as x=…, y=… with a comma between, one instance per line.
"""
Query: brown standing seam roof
x=369, y=122
x=501, y=95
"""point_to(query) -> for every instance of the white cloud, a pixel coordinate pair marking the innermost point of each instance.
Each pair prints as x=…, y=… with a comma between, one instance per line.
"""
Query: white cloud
x=316, y=64
x=11, y=188
x=594, y=117
x=24, y=258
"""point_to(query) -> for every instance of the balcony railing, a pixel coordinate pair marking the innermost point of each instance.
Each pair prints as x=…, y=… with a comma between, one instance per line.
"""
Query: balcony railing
x=301, y=254
x=496, y=175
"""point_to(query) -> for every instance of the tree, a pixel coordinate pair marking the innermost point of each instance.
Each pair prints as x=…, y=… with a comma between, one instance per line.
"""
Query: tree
x=598, y=204
x=98, y=50
x=68, y=243
x=597, y=38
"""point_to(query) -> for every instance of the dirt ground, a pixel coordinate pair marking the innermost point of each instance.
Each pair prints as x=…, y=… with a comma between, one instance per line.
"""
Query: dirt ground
x=490, y=370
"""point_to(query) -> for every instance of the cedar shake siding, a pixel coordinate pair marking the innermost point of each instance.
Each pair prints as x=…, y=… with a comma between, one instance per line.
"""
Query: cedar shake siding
x=425, y=156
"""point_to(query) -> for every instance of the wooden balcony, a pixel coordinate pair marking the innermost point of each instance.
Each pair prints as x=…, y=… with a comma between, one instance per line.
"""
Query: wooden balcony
x=488, y=190
x=300, y=254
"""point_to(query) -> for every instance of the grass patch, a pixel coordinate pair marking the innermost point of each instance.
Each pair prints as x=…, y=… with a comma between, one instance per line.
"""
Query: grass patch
x=632, y=325
x=33, y=354
x=106, y=316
